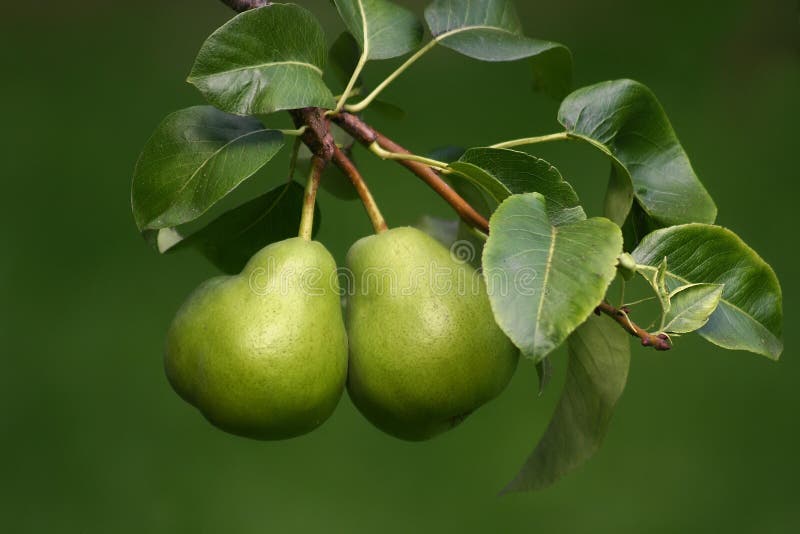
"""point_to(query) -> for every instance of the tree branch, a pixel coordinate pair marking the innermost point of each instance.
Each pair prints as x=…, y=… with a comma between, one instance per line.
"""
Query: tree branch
x=367, y=135
x=346, y=165
x=243, y=5
x=659, y=342
x=317, y=135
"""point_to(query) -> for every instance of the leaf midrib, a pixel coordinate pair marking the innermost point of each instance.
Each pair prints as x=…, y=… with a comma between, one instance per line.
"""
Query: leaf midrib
x=548, y=268
x=450, y=33
x=365, y=28
x=261, y=66
x=192, y=176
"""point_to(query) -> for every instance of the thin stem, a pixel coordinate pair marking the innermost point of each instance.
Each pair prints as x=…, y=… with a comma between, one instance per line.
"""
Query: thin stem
x=659, y=342
x=361, y=106
x=294, y=133
x=560, y=136
x=376, y=149
x=346, y=165
x=366, y=135
x=353, y=92
x=637, y=302
x=467, y=213
x=310, y=198
x=354, y=78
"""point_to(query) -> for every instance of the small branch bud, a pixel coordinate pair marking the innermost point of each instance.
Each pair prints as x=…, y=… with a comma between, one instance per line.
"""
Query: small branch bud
x=659, y=342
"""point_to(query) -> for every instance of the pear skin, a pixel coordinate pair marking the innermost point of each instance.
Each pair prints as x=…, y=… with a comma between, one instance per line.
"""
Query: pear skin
x=425, y=350
x=263, y=354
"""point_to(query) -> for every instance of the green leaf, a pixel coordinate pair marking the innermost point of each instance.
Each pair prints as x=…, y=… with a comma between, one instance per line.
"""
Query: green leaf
x=552, y=72
x=195, y=157
x=343, y=56
x=233, y=238
x=264, y=60
x=750, y=315
x=382, y=29
x=625, y=120
x=490, y=30
x=543, y=280
x=690, y=307
x=447, y=153
x=637, y=225
x=445, y=231
x=502, y=172
x=599, y=357
x=618, y=203
x=657, y=279
x=465, y=243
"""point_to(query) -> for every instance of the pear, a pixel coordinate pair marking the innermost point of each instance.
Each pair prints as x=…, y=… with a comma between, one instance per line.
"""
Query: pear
x=425, y=350
x=263, y=354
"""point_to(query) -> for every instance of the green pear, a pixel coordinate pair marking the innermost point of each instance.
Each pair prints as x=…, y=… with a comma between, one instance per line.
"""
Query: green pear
x=263, y=354
x=425, y=350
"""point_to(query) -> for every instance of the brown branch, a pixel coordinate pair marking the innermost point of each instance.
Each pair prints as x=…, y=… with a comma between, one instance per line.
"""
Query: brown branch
x=346, y=165
x=659, y=342
x=367, y=135
x=243, y=5
x=317, y=135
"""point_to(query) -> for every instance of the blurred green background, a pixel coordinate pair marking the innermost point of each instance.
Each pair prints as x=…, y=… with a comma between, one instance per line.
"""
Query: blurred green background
x=92, y=439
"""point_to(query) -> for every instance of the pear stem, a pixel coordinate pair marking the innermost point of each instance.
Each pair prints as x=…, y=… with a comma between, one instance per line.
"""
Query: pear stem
x=310, y=198
x=346, y=165
x=369, y=137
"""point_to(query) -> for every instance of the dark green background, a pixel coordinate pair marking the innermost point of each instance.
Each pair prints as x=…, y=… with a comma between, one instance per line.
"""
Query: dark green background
x=92, y=439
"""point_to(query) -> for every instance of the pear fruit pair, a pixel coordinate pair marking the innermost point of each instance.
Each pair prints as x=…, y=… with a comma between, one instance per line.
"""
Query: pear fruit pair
x=264, y=354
